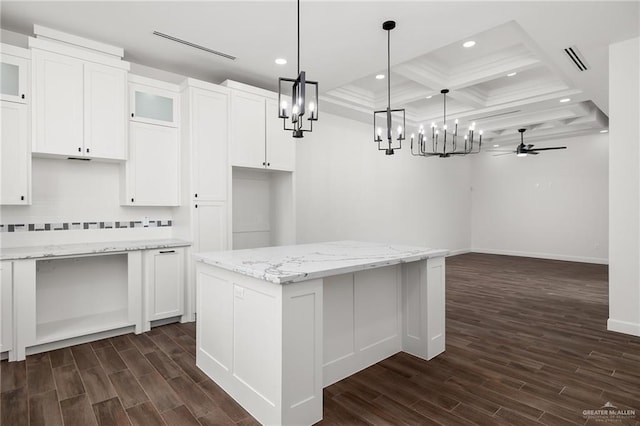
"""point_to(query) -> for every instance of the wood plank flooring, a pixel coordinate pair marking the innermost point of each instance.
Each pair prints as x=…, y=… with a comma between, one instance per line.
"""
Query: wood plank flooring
x=526, y=344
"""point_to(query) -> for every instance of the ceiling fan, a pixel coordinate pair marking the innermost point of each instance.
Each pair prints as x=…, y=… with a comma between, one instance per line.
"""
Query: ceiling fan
x=523, y=150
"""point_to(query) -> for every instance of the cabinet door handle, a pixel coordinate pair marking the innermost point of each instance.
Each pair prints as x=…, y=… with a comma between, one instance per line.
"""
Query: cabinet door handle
x=22, y=198
x=167, y=251
x=79, y=149
x=22, y=96
x=132, y=114
x=87, y=149
x=196, y=195
x=264, y=163
x=132, y=200
x=268, y=164
x=196, y=206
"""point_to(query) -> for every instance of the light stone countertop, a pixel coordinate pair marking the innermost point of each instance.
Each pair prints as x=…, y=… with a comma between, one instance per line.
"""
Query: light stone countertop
x=288, y=264
x=57, y=250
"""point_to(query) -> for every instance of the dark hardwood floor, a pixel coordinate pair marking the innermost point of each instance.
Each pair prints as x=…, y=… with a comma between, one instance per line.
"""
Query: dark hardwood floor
x=526, y=344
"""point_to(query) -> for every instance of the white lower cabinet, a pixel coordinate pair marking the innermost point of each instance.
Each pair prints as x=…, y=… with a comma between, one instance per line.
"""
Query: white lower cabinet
x=152, y=174
x=163, y=284
x=6, y=310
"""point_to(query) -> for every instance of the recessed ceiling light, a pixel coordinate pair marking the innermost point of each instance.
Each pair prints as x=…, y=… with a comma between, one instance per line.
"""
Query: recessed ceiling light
x=604, y=131
x=496, y=146
x=380, y=76
x=430, y=96
x=281, y=61
x=565, y=100
x=469, y=43
x=511, y=74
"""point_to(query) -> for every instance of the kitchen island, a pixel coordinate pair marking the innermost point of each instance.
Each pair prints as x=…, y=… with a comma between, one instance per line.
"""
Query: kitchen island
x=277, y=324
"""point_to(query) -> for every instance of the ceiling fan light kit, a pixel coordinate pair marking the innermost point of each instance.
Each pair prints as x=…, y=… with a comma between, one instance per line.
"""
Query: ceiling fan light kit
x=386, y=120
x=303, y=99
x=439, y=146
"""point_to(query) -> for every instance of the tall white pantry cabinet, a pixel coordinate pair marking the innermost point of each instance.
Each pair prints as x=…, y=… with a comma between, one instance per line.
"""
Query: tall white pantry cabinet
x=205, y=212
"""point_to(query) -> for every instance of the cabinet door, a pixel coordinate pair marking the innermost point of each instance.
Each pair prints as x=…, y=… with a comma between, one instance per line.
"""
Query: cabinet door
x=281, y=148
x=153, y=169
x=13, y=78
x=153, y=105
x=15, y=158
x=209, y=118
x=105, y=120
x=57, y=104
x=210, y=225
x=165, y=283
x=247, y=130
x=6, y=311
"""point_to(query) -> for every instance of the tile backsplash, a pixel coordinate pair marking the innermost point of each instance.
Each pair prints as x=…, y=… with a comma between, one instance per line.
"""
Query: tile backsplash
x=74, y=226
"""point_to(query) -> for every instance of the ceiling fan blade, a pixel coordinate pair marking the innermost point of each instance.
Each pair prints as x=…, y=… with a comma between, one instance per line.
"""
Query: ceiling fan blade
x=504, y=153
x=547, y=149
x=532, y=152
x=500, y=150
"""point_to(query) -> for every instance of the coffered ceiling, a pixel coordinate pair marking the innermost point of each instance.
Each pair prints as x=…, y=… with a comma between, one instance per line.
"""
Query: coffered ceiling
x=344, y=47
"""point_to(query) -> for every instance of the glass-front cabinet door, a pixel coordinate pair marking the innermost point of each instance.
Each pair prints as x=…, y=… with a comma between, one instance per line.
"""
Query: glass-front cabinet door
x=13, y=78
x=153, y=105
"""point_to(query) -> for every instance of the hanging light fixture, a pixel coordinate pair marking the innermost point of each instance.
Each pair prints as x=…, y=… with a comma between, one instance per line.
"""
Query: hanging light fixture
x=304, y=99
x=383, y=120
x=445, y=144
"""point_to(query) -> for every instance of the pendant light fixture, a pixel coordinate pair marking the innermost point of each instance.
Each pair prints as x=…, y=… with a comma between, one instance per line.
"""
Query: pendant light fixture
x=387, y=120
x=303, y=100
x=445, y=144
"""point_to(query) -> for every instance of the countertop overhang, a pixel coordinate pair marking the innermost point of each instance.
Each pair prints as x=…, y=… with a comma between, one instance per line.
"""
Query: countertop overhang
x=295, y=263
x=60, y=250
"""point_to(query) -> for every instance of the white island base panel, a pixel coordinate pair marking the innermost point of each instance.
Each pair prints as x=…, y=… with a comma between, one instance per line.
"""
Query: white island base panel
x=273, y=347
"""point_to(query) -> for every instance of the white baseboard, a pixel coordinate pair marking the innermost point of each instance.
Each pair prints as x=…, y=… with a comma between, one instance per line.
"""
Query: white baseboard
x=551, y=256
x=458, y=251
x=623, y=327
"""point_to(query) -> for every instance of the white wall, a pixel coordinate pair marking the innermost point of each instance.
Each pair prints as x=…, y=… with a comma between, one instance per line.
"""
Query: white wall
x=77, y=191
x=347, y=189
x=624, y=187
x=551, y=205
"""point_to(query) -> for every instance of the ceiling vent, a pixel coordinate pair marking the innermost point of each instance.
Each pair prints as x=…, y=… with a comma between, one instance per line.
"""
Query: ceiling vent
x=195, y=46
x=576, y=58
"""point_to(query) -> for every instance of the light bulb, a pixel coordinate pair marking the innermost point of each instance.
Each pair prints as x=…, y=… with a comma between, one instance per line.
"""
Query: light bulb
x=283, y=105
x=412, y=136
x=466, y=137
x=311, y=106
x=399, y=130
x=379, y=131
x=436, y=132
x=480, y=132
x=433, y=125
x=456, y=121
x=444, y=127
x=521, y=154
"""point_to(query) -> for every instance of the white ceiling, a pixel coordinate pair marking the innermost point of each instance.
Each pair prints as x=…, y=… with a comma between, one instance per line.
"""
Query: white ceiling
x=344, y=47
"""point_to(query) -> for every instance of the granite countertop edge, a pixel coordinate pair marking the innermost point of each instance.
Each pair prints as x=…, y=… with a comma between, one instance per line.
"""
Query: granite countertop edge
x=61, y=250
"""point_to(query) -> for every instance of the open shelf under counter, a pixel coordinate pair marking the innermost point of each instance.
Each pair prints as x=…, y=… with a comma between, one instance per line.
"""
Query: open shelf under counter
x=80, y=326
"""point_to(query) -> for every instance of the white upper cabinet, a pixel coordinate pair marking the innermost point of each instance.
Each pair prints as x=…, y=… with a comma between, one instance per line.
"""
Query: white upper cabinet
x=152, y=174
x=208, y=115
x=13, y=77
x=281, y=146
x=153, y=105
x=15, y=144
x=248, y=130
x=105, y=91
x=15, y=156
x=257, y=137
x=58, y=104
x=79, y=102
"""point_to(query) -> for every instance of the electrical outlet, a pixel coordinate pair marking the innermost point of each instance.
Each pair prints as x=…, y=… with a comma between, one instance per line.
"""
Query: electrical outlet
x=238, y=292
x=145, y=221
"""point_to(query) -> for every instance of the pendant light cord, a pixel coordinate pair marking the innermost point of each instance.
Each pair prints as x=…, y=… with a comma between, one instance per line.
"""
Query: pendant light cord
x=298, y=37
x=389, y=69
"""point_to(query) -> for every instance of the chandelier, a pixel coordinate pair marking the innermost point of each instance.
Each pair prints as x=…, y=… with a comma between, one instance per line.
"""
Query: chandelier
x=304, y=99
x=439, y=146
x=384, y=121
